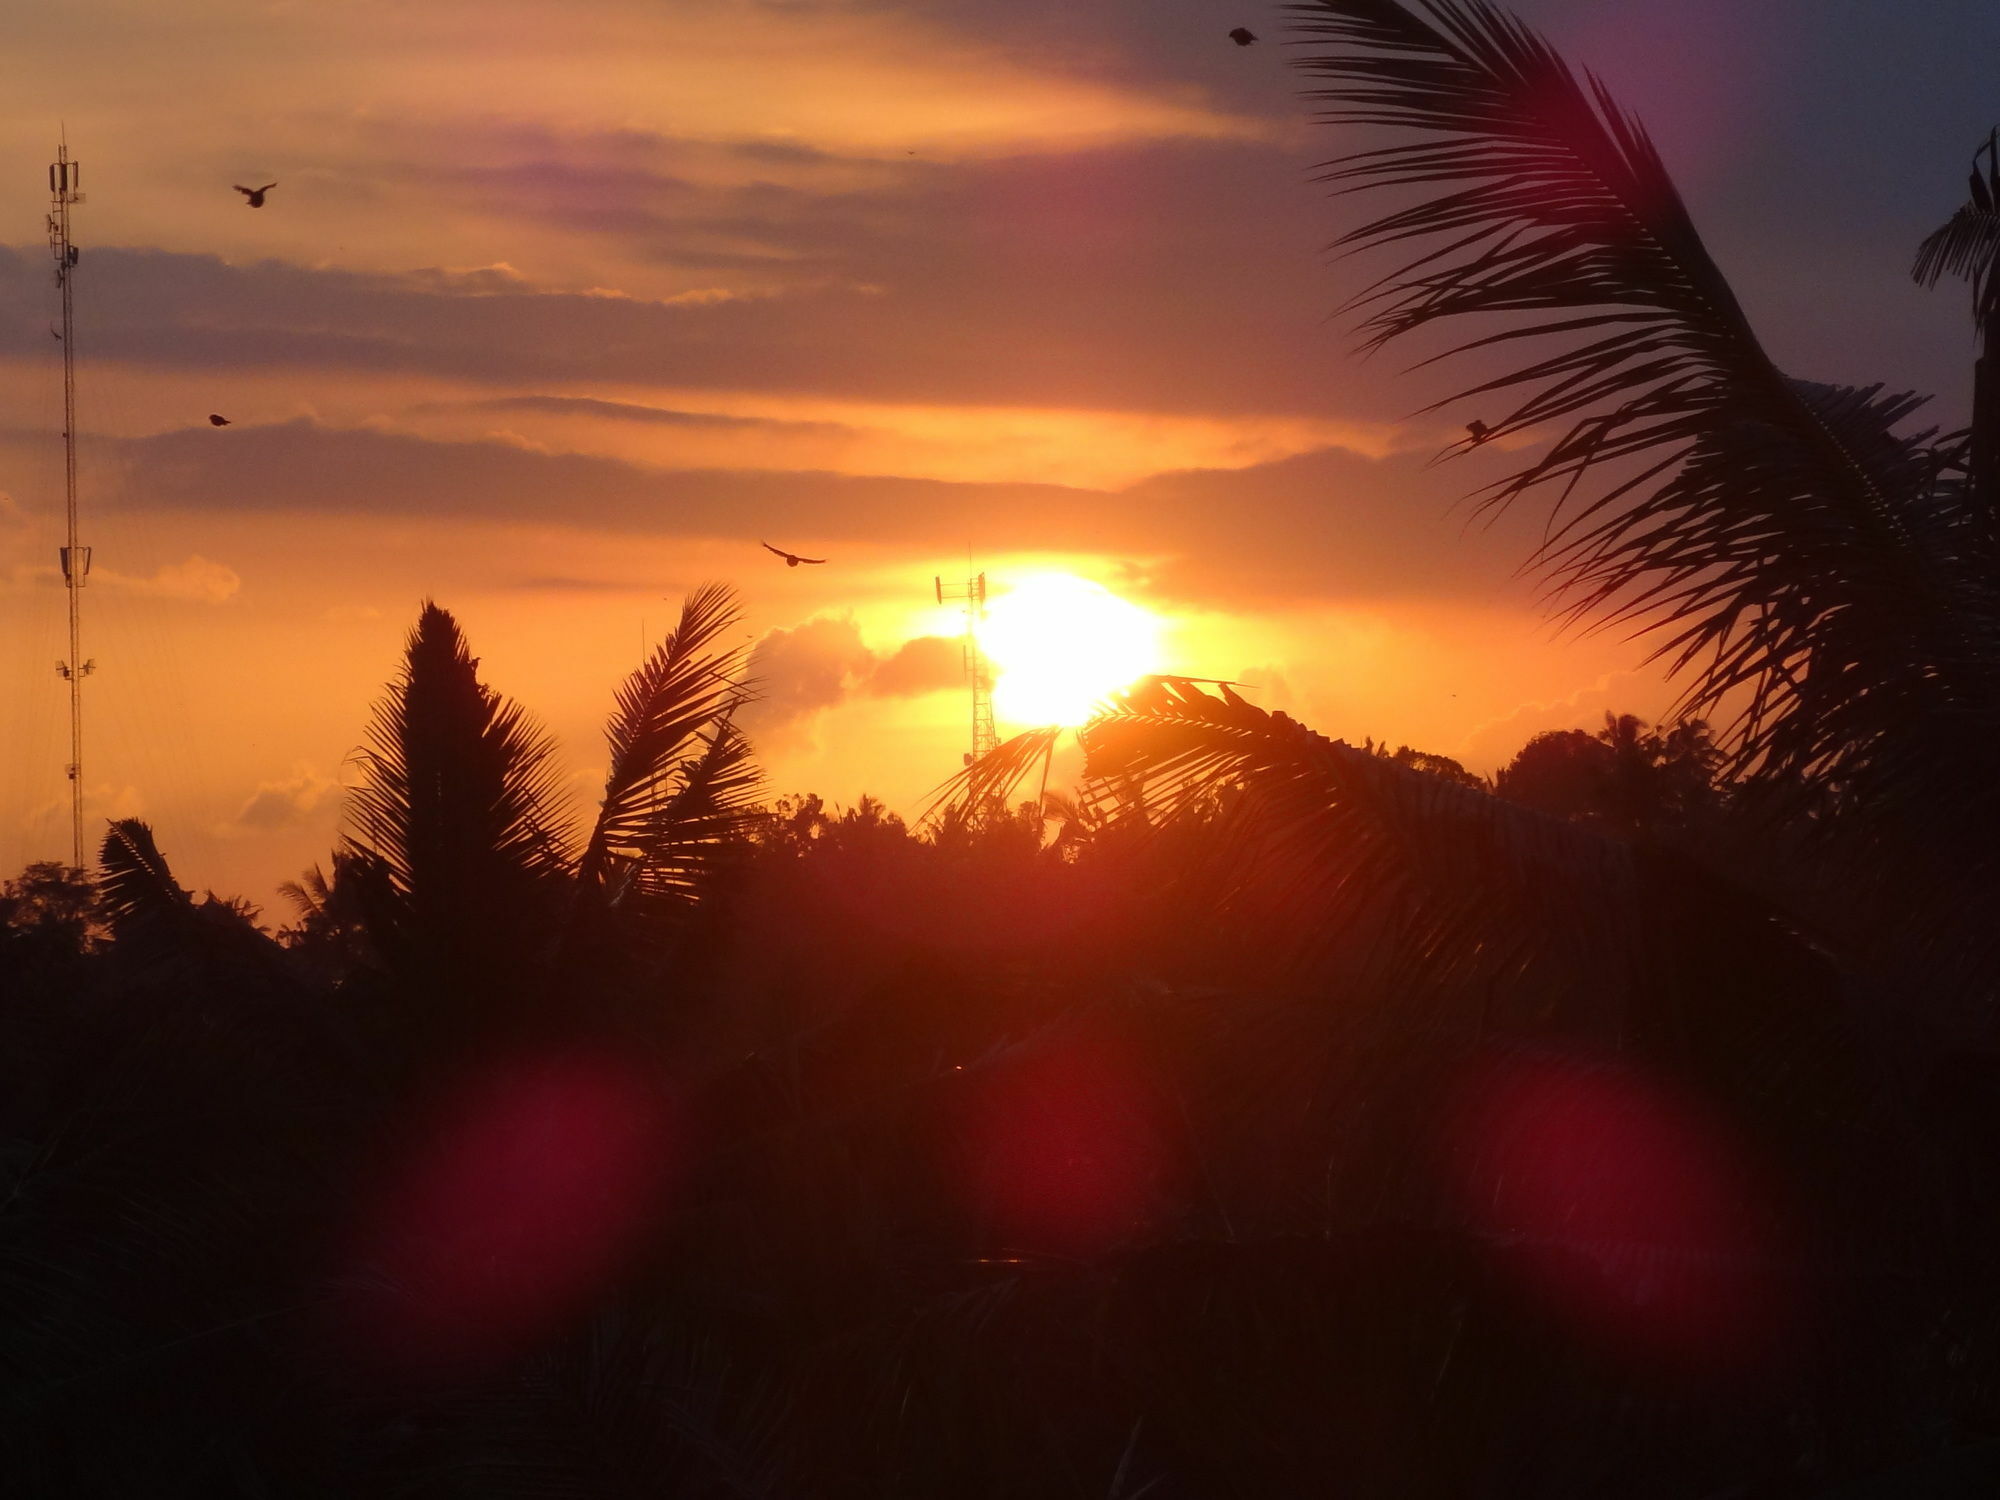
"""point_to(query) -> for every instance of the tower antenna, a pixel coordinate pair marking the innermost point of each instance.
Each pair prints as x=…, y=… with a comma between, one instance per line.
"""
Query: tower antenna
x=978, y=670
x=64, y=177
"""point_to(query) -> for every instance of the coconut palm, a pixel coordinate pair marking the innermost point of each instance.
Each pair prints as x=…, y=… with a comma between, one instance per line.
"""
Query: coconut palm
x=1816, y=575
x=472, y=888
x=1968, y=245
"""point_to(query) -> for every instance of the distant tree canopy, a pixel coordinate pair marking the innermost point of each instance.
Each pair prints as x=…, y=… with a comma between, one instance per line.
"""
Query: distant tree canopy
x=48, y=913
x=1425, y=760
x=1627, y=776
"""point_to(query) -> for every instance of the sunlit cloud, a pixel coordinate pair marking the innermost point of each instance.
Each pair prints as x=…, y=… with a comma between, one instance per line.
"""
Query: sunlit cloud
x=303, y=797
x=196, y=580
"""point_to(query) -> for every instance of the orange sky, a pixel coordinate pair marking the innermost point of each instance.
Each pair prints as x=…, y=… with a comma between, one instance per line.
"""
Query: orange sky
x=558, y=311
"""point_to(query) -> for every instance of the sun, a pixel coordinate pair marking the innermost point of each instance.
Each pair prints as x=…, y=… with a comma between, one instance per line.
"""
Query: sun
x=1059, y=644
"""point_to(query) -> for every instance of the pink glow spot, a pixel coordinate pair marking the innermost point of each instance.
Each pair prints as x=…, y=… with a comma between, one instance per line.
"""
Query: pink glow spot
x=1626, y=1211
x=1067, y=1154
x=525, y=1193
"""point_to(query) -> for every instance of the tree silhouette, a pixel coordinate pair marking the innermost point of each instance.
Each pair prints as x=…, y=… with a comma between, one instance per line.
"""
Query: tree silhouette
x=1807, y=569
x=1628, y=776
x=470, y=887
x=48, y=917
x=1968, y=245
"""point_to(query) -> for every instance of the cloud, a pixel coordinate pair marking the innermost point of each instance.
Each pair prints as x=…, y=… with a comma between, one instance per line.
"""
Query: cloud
x=1090, y=279
x=628, y=411
x=103, y=801
x=801, y=671
x=303, y=797
x=922, y=665
x=193, y=581
x=1329, y=525
x=1497, y=741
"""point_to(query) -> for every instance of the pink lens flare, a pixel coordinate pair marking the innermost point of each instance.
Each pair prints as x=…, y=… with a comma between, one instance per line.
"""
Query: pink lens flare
x=1626, y=1210
x=1068, y=1154
x=526, y=1191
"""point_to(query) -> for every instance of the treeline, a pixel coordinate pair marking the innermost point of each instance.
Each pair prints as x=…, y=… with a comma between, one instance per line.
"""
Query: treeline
x=1269, y=1108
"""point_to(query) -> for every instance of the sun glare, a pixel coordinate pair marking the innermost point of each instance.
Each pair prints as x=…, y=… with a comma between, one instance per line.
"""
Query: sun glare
x=1060, y=643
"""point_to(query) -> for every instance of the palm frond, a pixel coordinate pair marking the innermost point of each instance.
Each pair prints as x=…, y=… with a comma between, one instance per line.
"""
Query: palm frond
x=138, y=888
x=1775, y=533
x=1964, y=246
x=168, y=937
x=993, y=780
x=696, y=826
x=665, y=719
x=1968, y=244
x=1431, y=920
x=1455, y=889
x=308, y=895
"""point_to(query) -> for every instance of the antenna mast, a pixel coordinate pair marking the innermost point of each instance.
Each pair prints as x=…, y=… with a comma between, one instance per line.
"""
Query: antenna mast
x=978, y=670
x=63, y=195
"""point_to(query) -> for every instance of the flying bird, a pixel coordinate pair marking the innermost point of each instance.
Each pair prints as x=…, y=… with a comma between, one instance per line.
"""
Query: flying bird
x=216, y=420
x=1243, y=36
x=792, y=559
x=255, y=195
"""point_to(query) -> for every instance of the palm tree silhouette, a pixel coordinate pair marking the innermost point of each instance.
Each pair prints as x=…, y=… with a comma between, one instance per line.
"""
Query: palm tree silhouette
x=1968, y=245
x=473, y=891
x=1822, y=582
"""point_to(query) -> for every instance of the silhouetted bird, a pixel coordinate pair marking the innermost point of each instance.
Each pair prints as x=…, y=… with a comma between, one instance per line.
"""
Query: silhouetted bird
x=1478, y=429
x=1243, y=36
x=792, y=559
x=217, y=421
x=255, y=195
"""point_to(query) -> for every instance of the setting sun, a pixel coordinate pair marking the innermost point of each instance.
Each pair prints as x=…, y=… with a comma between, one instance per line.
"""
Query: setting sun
x=1060, y=643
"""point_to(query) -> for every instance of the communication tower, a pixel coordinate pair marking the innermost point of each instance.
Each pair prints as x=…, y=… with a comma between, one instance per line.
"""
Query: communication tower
x=978, y=670
x=63, y=196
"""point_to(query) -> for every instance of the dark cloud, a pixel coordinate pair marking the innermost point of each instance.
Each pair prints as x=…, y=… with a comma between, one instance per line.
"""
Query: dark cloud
x=1183, y=275
x=1180, y=46
x=1168, y=277
x=660, y=416
x=301, y=466
x=1321, y=525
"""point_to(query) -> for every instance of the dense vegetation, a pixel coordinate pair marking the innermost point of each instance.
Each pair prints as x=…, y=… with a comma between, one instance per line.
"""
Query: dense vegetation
x=1271, y=1116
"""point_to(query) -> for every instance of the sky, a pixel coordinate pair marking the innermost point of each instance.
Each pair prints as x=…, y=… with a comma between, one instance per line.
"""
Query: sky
x=558, y=311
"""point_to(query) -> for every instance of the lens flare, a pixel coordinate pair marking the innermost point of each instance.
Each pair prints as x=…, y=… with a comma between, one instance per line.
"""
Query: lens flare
x=514, y=1206
x=1627, y=1211
x=1060, y=644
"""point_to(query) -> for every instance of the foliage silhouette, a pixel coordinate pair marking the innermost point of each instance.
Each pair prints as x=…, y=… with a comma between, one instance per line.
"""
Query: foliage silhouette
x=1161, y=1154
x=1805, y=567
x=467, y=883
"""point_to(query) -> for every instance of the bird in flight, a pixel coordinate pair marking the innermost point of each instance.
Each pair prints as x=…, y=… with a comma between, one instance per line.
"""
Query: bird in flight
x=255, y=195
x=1243, y=36
x=792, y=559
x=217, y=420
